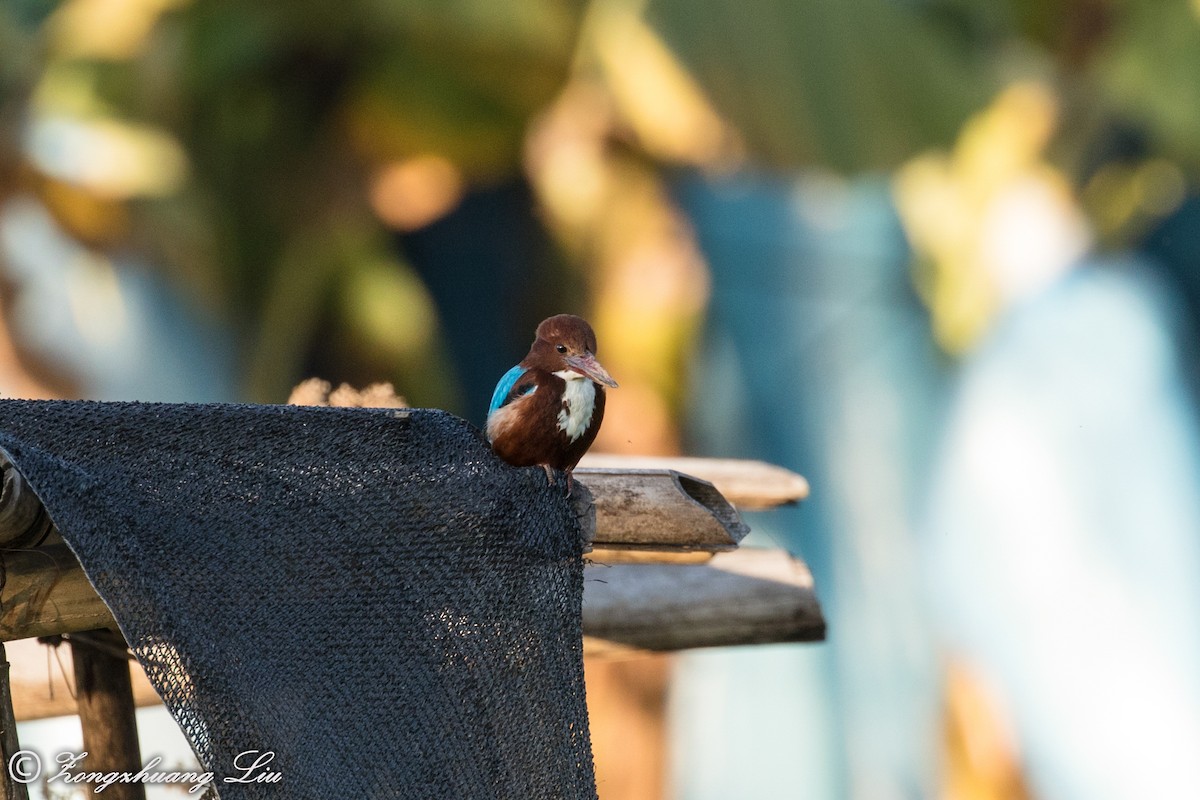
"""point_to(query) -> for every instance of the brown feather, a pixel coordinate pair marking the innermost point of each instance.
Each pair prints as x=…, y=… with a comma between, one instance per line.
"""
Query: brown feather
x=526, y=432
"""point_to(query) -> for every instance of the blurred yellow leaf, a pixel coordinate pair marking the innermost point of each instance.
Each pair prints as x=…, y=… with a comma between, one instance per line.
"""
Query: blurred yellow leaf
x=106, y=29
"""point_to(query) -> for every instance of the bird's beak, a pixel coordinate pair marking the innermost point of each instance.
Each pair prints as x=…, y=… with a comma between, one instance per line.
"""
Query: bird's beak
x=587, y=364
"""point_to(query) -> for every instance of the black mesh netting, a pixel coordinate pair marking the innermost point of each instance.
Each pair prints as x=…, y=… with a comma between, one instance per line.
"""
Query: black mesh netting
x=370, y=594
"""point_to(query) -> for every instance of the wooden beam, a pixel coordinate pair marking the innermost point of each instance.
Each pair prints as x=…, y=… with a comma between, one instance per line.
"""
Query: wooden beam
x=105, y=696
x=750, y=485
x=751, y=596
x=9, y=745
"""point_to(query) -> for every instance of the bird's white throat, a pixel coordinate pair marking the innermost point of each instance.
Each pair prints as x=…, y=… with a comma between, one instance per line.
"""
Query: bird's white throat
x=579, y=400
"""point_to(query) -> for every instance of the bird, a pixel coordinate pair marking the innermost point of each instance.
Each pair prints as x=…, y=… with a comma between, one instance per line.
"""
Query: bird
x=547, y=410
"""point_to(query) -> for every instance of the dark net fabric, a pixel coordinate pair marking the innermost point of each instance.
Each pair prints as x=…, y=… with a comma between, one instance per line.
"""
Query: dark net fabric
x=369, y=594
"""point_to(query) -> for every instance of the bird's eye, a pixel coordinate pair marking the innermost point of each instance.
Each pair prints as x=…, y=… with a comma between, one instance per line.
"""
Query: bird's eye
x=562, y=348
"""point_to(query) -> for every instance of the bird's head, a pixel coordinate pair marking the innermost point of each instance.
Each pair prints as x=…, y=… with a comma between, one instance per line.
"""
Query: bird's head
x=566, y=345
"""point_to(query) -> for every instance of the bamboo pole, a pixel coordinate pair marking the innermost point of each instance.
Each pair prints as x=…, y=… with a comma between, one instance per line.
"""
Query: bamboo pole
x=747, y=484
x=742, y=597
x=45, y=592
x=656, y=512
x=750, y=596
x=659, y=509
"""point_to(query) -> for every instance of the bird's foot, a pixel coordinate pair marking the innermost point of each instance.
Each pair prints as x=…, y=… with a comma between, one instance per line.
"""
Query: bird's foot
x=551, y=473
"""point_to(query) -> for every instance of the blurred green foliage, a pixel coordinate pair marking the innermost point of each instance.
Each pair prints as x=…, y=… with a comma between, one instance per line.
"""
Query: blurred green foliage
x=847, y=84
x=1150, y=65
x=282, y=105
x=283, y=108
x=864, y=84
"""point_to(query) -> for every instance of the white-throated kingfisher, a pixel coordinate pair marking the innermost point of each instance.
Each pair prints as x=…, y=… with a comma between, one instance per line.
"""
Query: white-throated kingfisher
x=547, y=410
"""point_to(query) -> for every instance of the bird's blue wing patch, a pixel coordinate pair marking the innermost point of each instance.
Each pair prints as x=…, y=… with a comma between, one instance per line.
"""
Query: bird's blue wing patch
x=500, y=395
